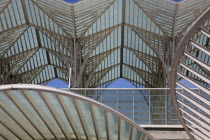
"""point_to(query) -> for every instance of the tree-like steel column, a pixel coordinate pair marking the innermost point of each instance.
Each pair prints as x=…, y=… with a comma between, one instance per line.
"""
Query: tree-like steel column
x=75, y=52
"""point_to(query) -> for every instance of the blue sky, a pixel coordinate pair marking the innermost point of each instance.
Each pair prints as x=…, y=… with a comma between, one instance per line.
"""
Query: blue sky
x=120, y=83
x=177, y=0
x=73, y=1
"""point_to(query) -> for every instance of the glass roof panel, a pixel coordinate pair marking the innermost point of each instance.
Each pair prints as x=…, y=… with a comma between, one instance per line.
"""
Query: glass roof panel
x=60, y=111
x=100, y=120
x=39, y=33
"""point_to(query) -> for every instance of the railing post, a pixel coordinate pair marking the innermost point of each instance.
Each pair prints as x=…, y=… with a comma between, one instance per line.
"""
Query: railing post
x=149, y=107
x=199, y=92
x=133, y=105
x=166, y=107
x=182, y=100
x=117, y=100
x=101, y=96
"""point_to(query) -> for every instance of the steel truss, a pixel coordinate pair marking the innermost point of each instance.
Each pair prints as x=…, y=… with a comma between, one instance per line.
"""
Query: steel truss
x=100, y=40
x=191, y=62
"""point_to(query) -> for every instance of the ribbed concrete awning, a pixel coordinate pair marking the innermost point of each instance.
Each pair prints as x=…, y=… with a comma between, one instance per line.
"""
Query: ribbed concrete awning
x=38, y=112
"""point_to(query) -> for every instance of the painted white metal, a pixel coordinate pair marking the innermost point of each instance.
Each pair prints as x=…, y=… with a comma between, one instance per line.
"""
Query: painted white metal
x=161, y=126
x=194, y=83
x=205, y=33
x=194, y=111
x=202, y=126
x=195, y=133
x=191, y=63
x=197, y=61
x=194, y=102
x=196, y=73
x=193, y=93
x=202, y=132
x=69, y=84
x=200, y=48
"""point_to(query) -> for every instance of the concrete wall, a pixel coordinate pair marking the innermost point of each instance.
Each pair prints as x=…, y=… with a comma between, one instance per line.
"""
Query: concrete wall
x=169, y=135
x=166, y=132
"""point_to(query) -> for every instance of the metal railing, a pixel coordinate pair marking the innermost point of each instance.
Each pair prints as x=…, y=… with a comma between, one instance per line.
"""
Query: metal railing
x=145, y=106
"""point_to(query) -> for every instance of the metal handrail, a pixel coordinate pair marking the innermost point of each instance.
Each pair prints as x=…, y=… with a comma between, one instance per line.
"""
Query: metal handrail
x=149, y=109
x=119, y=88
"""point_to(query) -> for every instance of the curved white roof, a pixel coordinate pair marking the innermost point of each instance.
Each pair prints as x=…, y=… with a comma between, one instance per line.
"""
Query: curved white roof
x=38, y=112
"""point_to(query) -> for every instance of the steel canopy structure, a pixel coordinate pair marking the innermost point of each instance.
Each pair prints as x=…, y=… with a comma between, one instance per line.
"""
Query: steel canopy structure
x=100, y=40
x=192, y=60
x=38, y=112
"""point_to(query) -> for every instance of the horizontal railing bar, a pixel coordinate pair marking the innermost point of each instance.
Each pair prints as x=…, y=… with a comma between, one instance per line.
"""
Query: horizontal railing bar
x=122, y=88
x=161, y=126
x=116, y=88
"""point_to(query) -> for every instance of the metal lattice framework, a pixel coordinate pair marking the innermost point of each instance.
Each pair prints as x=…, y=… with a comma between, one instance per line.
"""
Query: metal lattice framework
x=192, y=63
x=100, y=40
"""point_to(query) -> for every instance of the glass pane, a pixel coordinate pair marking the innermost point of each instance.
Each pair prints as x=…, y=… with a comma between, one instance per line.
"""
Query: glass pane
x=125, y=102
x=57, y=110
x=30, y=113
x=124, y=130
x=81, y=92
x=113, y=126
x=94, y=94
x=146, y=138
x=99, y=114
x=41, y=107
x=136, y=135
x=71, y=111
x=19, y=118
x=12, y=125
x=109, y=98
x=141, y=106
x=9, y=103
x=6, y=133
x=85, y=110
x=158, y=106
